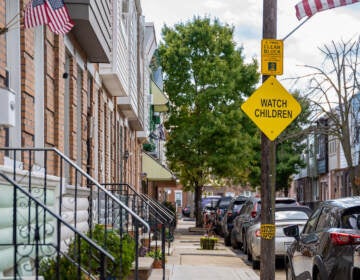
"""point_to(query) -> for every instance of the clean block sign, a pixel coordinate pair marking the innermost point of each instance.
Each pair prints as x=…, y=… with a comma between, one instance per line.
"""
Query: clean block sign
x=271, y=108
x=272, y=57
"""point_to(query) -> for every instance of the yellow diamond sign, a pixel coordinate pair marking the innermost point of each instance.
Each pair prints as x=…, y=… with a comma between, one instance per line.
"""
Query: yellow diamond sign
x=271, y=108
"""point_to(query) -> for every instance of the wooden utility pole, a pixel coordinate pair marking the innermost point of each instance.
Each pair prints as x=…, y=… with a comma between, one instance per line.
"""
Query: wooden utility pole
x=268, y=168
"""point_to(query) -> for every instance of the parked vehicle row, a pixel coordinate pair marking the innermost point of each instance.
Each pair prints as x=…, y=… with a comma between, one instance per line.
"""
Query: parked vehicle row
x=284, y=216
x=319, y=244
x=249, y=215
x=328, y=246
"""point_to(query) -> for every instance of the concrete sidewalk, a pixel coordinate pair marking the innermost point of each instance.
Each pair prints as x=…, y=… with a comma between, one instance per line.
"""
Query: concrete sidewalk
x=189, y=262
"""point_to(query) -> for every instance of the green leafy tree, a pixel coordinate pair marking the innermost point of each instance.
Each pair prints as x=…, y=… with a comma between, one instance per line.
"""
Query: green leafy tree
x=207, y=79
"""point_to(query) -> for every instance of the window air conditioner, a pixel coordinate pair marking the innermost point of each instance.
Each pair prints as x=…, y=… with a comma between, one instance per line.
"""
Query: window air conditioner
x=7, y=107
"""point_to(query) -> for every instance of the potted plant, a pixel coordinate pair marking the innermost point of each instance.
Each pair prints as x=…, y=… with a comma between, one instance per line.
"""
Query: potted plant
x=208, y=242
x=157, y=256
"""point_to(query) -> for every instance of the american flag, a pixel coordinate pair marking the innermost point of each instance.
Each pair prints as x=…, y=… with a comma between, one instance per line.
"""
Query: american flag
x=50, y=12
x=59, y=19
x=310, y=7
x=35, y=14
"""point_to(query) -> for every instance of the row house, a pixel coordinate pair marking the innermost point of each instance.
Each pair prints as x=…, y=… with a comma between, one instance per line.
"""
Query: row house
x=326, y=175
x=75, y=115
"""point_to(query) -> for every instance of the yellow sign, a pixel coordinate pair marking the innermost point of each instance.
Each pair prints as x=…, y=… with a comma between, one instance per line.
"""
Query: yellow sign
x=272, y=57
x=267, y=231
x=271, y=108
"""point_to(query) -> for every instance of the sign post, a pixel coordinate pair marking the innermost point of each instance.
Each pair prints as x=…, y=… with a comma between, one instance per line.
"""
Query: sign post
x=268, y=168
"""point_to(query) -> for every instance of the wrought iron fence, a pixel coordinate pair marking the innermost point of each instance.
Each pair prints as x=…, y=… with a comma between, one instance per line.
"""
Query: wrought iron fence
x=80, y=200
x=160, y=219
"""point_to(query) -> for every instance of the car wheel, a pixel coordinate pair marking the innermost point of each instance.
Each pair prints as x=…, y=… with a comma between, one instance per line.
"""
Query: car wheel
x=244, y=245
x=234, y=243
x=249, y=255
x=288, y=272
x=255, y=264
x=317, y=276
x=227, y=240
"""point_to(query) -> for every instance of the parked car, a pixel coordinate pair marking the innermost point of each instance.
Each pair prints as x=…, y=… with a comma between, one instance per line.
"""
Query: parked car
x=231, y=212
x=220, y=209
x=284, y=216
x=326, y=247
x=209, y=201
x=186, y=211
x=249, y=214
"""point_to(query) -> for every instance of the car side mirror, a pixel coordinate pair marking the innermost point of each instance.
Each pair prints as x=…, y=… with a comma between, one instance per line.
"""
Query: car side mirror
x=292, y=231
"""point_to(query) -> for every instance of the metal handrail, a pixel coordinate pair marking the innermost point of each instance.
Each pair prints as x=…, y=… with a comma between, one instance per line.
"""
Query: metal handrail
x=94, y=182
x=162, y=208
x=60, y=221
x=138, y=195
x=157, y=212
x=112, y=203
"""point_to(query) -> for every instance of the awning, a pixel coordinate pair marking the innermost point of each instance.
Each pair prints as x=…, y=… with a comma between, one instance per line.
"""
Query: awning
x=154, y=170
x=160, y=100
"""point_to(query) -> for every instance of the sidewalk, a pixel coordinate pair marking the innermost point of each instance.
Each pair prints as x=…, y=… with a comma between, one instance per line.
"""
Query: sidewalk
x=189, y=262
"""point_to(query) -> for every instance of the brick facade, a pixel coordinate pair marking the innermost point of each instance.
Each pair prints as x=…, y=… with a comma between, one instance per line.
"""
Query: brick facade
x=91, y=108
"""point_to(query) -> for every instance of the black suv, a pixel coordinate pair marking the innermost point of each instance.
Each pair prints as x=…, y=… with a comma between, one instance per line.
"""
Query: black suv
x=231, y=212
x=220, y=209
x=329, y=243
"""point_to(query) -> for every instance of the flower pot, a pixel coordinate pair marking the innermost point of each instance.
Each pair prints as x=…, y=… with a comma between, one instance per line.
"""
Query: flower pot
x=157, y=264
x=208, y=243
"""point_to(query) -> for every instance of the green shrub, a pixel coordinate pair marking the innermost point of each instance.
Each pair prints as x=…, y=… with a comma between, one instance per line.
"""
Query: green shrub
x=208, y=243
x=89, y=257
x=155, y=254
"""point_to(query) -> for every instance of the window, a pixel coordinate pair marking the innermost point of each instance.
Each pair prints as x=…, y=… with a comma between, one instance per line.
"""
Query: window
x=311, y=223
x=326, y=220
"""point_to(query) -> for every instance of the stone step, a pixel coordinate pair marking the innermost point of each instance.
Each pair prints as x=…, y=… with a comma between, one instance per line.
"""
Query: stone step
x=145, y=268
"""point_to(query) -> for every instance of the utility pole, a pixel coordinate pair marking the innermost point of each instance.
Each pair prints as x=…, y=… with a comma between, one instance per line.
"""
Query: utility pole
x=268, y=167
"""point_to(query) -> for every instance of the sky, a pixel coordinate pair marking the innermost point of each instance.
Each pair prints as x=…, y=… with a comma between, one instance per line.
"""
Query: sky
x=300, y=48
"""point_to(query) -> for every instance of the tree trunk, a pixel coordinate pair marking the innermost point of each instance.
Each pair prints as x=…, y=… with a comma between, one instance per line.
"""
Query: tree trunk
x=286, y=192
x=198, y=213
x=354, y=181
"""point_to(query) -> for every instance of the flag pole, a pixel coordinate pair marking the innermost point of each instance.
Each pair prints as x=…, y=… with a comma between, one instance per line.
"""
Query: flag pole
x=296, y=28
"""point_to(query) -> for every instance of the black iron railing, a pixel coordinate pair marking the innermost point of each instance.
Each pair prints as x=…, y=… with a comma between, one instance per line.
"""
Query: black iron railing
x=160, y=218
x=32, y=240
x=82, y=201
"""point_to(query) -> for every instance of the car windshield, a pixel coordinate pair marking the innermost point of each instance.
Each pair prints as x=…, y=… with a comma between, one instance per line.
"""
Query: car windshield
x=238, y=204
x=209, y=201
x=290, y=215
x=224, y=202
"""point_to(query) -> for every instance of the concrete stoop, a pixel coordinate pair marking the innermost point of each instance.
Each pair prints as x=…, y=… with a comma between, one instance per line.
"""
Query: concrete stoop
x=145, y=268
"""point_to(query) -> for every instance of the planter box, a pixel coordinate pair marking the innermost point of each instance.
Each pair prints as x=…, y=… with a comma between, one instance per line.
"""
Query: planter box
x=208, y=243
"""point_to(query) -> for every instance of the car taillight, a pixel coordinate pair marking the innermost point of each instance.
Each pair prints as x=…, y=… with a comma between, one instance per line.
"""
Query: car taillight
x=229, y=213
x=253, y=214
x=339, y=238
x=257, y=233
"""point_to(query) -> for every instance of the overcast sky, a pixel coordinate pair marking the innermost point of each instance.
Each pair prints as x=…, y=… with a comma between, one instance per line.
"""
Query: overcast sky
x=246, y=16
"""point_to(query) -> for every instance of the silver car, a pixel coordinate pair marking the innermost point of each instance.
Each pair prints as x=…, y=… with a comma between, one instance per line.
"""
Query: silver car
x=284, y=216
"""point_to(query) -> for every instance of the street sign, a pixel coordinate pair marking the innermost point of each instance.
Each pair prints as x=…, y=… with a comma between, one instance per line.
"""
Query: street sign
x=271, y=108
x=272, y=55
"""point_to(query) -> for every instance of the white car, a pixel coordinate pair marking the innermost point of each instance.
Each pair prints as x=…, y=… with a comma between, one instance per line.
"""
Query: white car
x=284, y=216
